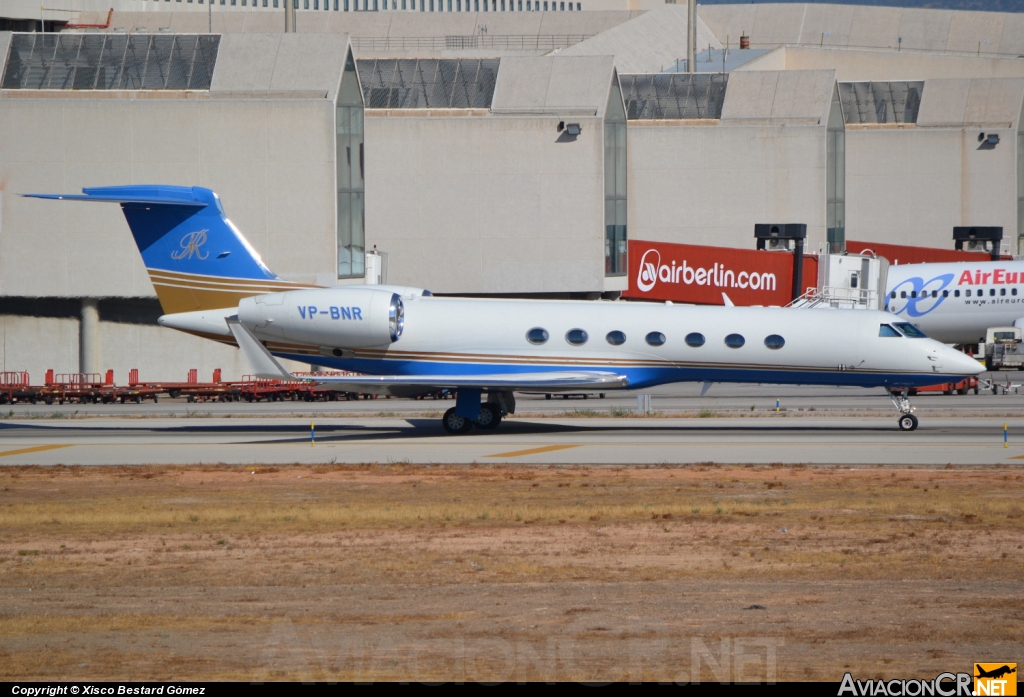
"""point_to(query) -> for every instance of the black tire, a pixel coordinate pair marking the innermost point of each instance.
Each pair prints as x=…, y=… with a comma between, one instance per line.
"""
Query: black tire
x=547, y=396
x=962, y=390
x=489, y=418
x=908, y=422
x=455, y=424
x=975, y=389
x=601, y=395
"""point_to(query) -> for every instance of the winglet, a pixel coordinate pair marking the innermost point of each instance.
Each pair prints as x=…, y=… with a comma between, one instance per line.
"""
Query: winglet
x=727, y=301
x=264, y=365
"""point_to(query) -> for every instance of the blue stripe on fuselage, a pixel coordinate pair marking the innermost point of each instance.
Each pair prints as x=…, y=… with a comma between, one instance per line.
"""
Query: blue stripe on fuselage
x=638, y=377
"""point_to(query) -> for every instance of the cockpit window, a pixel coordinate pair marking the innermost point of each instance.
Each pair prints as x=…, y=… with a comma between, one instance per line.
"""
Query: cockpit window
x=910, y=330
x=886, y=330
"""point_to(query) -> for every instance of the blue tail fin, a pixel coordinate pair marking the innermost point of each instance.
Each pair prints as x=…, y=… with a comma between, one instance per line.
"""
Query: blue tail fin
x=196, y=258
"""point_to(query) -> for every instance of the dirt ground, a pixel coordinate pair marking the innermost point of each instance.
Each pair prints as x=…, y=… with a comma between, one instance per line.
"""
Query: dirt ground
x=508, y=573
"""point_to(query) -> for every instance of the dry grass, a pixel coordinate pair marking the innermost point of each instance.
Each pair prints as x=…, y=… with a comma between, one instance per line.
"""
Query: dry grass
x=190, y=571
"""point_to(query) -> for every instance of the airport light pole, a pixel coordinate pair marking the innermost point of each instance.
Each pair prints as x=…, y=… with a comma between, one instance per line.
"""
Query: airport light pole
x=289, y=16
x=691, y=36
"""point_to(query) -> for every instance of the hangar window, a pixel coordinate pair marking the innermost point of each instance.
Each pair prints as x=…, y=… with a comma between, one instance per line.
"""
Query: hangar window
x=735, y=341
x=40, y=61
x=616, y=338
x=349, y=164
x=615, y=261
x=430, y=83
x=576, y=337
x=674, y=95
x=835, y=177
x=774, y=341
x=886, y=330
x=881, y=102
x=655, y=339
x=537, y=335
x=694, y=339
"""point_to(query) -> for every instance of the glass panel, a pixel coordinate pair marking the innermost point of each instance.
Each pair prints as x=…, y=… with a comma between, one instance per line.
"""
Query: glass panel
x=350, y=171
x=881, y=102
x=615, y=176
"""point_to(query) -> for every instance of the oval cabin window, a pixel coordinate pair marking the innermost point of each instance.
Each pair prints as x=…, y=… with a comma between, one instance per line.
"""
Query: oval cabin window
x=616, y=338
x=537, y=335
x=774, y=341
x=734, y=341
x=695, y=339
x=576, y=337
x=655, y=338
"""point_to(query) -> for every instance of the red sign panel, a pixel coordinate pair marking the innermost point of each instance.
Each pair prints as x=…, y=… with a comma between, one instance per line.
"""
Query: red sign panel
x=691, y=273
x=903, y=254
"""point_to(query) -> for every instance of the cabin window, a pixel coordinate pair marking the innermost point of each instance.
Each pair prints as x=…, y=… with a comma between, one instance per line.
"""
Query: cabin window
x=1013, y=291
x=1002, y=291
x=537, y=335
x=968, y=292
x=616, y=338
x=893, y=294
x=910, y=330
x=694, y=339
x=886, y=330
x=991, y=291
x=945, y=293
x=576, y=337
x=735, y=341
x=913, y=293
x=774, y=341
x=655, y=338
x=956, y=294
x=903, y=293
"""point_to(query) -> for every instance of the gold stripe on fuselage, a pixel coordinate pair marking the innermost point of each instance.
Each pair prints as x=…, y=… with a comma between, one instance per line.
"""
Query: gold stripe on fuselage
x=181, y=292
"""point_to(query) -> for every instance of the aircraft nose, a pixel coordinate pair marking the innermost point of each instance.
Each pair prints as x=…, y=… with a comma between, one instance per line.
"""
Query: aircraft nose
x=961, y=364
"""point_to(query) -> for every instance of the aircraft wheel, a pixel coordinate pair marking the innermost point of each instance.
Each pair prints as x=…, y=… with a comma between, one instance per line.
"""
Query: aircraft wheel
x=490, y=417
x=908, y=422
x=455, y=424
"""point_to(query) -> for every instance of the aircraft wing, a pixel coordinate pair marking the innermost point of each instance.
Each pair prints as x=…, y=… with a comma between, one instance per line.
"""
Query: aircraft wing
x=264, y=365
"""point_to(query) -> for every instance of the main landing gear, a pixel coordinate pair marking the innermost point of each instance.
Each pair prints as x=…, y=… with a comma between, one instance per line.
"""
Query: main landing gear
x=907, y=420
x=488, y=415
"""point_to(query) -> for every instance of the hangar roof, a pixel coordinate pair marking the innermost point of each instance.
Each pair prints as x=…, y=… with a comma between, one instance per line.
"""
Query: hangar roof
x=776, y=97
x=280, y=65
x=961, y=102
x=857, y=26
x=647, y=44
x=559, y=85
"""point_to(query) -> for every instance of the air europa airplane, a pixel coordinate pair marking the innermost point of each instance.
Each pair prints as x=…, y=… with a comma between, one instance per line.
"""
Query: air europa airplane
x=405, y=341
x=956, y=302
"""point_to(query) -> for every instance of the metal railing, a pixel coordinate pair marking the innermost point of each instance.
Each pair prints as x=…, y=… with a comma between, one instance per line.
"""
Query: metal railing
x=836, y=297
x=499, y=42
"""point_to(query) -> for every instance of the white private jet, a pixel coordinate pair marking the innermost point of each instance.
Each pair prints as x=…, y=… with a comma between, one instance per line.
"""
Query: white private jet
x=405, y=341
x=956, y=302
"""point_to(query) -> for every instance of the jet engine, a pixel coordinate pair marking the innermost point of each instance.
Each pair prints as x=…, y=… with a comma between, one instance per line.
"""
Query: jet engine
x=331, y=318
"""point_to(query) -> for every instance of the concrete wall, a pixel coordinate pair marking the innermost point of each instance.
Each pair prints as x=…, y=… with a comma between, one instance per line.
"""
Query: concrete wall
x=37, y=344
x=271, y=161
x=711, y=184
x=912, y=185
x=486, y=204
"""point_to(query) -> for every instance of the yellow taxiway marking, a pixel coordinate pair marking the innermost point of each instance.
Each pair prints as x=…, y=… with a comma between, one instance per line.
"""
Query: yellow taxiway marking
x=35, y=449
x=534, y=451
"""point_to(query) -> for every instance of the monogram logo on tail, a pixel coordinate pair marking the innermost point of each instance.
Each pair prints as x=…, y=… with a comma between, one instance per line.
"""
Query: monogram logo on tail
x=190, y=245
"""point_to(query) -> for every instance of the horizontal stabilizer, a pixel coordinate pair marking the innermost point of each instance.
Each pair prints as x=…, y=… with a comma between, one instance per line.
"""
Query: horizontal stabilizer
x=264, y=365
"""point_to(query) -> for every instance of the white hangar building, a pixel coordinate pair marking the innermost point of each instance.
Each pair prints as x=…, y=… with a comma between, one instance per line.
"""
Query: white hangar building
x=503, y=152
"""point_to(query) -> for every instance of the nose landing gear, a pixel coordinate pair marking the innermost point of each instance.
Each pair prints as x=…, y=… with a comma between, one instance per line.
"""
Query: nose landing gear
x=907, y=420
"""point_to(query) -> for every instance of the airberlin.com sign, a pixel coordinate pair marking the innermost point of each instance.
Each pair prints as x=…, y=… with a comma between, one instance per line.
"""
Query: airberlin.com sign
x=695, y=274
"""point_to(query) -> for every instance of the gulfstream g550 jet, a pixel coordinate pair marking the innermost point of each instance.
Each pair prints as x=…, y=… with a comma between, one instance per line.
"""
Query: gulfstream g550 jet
x=210, y=282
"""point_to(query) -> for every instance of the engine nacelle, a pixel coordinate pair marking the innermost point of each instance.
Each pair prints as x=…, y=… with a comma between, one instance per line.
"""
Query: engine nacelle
x=330, y=318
